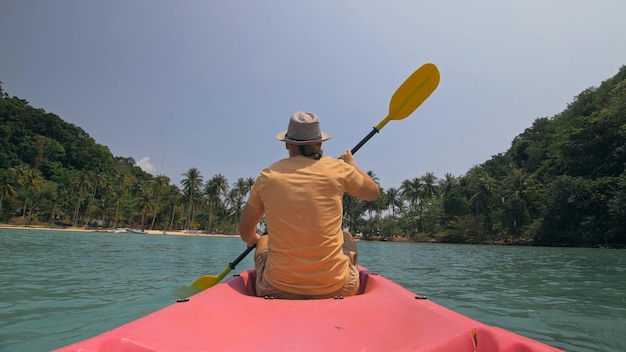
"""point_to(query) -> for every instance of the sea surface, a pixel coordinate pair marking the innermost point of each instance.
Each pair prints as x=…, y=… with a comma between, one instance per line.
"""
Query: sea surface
x=60, y=287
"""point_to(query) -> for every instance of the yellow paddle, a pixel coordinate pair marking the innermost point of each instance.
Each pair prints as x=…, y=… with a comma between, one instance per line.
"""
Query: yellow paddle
x=408, y=97
x=206, y=281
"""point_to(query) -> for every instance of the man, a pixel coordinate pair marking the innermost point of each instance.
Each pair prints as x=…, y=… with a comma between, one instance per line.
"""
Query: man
x=306, y=254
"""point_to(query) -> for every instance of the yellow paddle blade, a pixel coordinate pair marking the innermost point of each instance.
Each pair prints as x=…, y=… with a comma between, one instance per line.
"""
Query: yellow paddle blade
x=185, y=291
x=205, y=282
x=412, y=93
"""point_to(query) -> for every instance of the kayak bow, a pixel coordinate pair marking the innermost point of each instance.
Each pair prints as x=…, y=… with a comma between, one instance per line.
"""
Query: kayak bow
x=384, y=317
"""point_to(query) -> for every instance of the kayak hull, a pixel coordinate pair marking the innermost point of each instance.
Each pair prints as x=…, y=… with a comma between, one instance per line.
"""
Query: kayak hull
x=384, y=317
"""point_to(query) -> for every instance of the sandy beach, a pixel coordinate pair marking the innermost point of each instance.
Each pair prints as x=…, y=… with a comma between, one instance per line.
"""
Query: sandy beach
x=120, y=230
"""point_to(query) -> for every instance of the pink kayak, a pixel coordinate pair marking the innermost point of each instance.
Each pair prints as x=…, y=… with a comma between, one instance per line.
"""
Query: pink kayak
x=384, y=317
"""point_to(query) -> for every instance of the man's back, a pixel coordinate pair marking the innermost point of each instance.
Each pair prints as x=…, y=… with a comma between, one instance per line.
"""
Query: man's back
x=302, y=199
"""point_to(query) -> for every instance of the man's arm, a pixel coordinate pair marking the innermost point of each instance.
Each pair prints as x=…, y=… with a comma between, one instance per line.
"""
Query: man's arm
x=250, y=217
x=369, y=191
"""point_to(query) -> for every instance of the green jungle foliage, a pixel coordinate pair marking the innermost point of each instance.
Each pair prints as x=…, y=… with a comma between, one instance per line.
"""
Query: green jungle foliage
x=561, y=183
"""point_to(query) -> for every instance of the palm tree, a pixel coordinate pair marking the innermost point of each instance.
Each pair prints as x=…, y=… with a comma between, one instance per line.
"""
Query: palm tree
x=105, y=191
x=375, y=205
x=191, y=187
x=519, y=184
x=42, y=190
x=82, y=185
x=484, y=198
x=429, y=186
x=7, y=188
x=393, y=200
x=447, y=183
x=60, y=194
x=99, y=179
x=214, y=191
x=31, y=180
x=142, y=201
x=517, y=193
x=237, y=196
x=411, y=190
x=158, y=185
x=353, y=210
x=381, y=203
x=485, y=195
x=464, y=185
x=173, y=204
x=118, y=194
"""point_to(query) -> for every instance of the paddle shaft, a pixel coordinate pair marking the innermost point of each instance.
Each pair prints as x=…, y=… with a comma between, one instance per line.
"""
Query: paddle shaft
x=240, y=257
x=233, y=264
x=364, y=140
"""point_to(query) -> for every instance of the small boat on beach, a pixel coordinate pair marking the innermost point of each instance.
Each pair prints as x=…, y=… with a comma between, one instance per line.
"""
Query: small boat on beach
x=383, y=317
x=135, y=231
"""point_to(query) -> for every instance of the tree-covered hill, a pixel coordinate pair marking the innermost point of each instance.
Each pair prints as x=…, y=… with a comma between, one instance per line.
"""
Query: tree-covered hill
x=561, y=183
x=46, y=142
x=47, y=165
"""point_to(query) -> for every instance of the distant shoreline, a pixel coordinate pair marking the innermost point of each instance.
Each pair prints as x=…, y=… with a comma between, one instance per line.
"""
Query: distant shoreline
x=121, y=231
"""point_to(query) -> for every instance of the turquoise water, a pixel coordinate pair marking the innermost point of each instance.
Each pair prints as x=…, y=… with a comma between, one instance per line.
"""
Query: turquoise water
x=61, y=287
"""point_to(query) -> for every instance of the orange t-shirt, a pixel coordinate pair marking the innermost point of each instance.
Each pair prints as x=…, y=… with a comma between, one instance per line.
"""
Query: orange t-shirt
x=302, y=201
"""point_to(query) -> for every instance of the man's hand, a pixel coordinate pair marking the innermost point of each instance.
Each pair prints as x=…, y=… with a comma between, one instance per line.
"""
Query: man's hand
x=347, y=157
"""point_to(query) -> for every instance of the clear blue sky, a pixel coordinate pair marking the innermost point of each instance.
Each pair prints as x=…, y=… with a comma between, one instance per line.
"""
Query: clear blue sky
x=208, y=84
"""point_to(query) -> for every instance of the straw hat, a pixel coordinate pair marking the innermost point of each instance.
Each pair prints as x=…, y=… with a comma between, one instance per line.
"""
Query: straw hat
x=304, y=128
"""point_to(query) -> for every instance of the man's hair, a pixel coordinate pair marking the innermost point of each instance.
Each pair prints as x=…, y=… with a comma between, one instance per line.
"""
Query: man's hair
x=310, y=151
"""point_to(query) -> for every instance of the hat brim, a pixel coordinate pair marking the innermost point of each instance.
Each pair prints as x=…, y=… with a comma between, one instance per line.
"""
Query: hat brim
x=282, y=136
